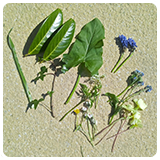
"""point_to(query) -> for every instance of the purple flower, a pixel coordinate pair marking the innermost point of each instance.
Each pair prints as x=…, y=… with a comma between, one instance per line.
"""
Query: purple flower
x=132, y=43
x=123, y=41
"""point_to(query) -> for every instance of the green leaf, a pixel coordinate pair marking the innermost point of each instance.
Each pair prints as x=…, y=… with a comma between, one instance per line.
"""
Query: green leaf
x=35, y=102
x=41, y=74
x=87, y=48
x=19, y=69
x=112, y=99
x=60, y=42
x=50, y=93
x=51, y=24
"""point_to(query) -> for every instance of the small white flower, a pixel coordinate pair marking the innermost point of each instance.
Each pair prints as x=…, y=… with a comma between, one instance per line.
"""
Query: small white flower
x=137, y=115
x=83, y=109
x=140, y=103
x=90, y=116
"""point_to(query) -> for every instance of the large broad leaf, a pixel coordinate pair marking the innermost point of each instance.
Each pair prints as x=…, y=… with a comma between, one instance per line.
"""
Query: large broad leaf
x=60, y=42
x=51, y=23
x=87, y=48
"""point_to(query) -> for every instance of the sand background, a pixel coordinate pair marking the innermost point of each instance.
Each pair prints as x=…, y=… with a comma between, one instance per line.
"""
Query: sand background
x=36, y=133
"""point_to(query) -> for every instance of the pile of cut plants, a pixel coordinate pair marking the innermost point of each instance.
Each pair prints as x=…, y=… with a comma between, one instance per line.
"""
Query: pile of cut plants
x=50, y=42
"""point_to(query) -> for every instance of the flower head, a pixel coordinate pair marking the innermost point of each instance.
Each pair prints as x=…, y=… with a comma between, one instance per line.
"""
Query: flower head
x=148, y=88
x=77, y=111
x=140, y=104
x=132, y=43
x=139, y=73
x=124, y=41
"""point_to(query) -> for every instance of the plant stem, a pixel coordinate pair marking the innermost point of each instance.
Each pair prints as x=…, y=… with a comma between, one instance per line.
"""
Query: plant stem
x=73, y=90
x=105, y=134
x=71, y=110
x=123, y=91
x=89, y=133
x=109, y=126
x=130, y=96
x=51, y=98
x=121, y=55
x=123, y=62
x=117, y=134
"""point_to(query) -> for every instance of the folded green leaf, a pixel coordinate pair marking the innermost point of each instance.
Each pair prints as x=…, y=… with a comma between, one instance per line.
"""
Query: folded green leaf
x=51, y=23
x=113, y=99
x=60, y=41
x=87, y=48
x=23, y=80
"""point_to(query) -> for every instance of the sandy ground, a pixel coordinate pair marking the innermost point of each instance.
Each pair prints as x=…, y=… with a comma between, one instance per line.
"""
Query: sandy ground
x=36, y=133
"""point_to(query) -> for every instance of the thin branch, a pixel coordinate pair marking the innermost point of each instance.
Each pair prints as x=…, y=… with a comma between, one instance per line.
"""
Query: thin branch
x=115, y=121
x=51, y=99
x=117, y=135
x=105, y=134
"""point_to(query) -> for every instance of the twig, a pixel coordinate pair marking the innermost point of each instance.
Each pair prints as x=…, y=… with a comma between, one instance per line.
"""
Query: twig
x=51, y=99
x=105, y=134
x=117, y=135
x=115, y=121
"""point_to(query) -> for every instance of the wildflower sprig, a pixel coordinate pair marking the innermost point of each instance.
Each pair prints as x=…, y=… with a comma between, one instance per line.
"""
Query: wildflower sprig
x=89, y=98
x=130, y=44
x=87, y=122
x=127, y=107
x=89, y=94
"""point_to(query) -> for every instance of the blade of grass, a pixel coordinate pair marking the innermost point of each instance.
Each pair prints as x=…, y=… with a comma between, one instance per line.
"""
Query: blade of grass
x=23, y=80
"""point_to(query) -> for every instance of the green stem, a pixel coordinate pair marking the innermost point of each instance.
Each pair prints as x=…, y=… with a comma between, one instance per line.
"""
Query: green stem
x=121, y=55
x=123, y=62
x=130, y=96
x=89, y=133
x=73, y=90
x=123, y=91
x=71, y=110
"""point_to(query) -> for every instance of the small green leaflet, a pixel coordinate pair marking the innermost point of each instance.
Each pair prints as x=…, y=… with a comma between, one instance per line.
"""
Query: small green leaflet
x=41, y=74
x=87, y=48
x=50, y=93
x=51, y=24
x=60, y=42
x=35, y=102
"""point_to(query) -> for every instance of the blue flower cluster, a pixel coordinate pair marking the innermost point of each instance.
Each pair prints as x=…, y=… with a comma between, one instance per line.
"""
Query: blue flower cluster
x=139, y=72
x=124, y=41
x=130, y=43
x=148, y=88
